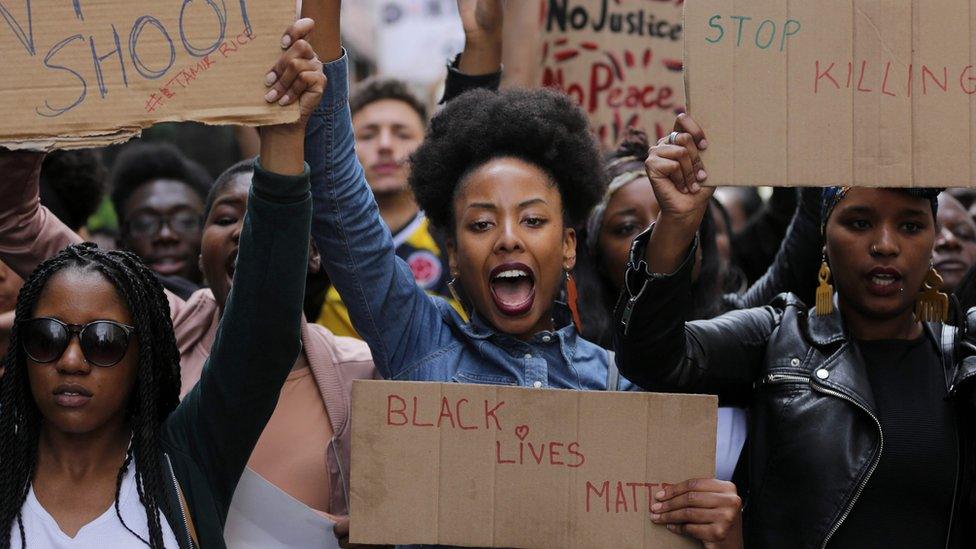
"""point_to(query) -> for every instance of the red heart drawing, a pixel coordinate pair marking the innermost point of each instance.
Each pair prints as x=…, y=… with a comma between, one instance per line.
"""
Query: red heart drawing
x=522, y=431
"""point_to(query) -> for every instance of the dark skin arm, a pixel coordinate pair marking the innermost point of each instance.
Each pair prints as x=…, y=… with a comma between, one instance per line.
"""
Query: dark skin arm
x=482, y=22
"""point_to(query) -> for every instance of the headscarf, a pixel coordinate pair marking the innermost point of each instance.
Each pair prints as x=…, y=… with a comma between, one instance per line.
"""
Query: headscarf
x=831, y=196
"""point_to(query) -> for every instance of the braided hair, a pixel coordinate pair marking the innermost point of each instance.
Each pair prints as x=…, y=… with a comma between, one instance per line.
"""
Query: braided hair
x=154, y=397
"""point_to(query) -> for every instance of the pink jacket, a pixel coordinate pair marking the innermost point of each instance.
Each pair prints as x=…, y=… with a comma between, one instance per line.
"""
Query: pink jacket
x=29, y=234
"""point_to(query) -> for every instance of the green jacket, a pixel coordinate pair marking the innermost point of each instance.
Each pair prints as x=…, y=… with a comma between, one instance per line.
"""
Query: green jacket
x=208, y=439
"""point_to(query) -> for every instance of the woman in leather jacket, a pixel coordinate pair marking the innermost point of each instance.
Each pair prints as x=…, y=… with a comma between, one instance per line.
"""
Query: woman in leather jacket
x=861, y=425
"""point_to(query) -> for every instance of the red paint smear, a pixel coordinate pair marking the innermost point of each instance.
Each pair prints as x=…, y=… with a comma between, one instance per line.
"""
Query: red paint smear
x=542, y=12
x=616, y=66
x=592, y=46
x=629, y=59
x=561, y=41
x=545, y=52
x=647, y=57
x=673, y=64
x=565, y=55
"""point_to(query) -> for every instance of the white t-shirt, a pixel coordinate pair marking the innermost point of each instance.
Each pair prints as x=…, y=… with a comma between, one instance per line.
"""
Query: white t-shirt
x=43, y=532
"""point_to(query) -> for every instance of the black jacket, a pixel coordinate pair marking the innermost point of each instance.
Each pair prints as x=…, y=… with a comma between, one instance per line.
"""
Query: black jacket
x=804, y=381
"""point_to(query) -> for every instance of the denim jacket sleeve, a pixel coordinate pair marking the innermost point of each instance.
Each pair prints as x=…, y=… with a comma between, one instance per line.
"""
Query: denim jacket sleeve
x=398, y=320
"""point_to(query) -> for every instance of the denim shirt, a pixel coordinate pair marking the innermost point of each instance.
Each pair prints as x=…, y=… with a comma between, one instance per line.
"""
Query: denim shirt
x=412, y=335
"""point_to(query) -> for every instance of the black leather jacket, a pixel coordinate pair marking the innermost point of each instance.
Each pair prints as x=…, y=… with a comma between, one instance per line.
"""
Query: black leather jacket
x=804, y=382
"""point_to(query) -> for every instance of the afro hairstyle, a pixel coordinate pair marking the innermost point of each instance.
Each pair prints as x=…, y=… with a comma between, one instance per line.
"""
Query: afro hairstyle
x=540, y=126
x=72, y=185
x=144, y=162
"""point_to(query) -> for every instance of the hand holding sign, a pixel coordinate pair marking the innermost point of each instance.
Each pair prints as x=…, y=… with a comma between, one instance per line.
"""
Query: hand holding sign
x=297, y=76
x=706, y=509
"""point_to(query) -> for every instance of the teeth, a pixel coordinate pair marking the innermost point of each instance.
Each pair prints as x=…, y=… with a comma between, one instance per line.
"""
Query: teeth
x=882, y=280
x=515, y=273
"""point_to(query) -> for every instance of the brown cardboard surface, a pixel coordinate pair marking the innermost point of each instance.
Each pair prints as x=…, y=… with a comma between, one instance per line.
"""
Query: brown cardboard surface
x=834, y=92
x=93, y=72
x=620, y=60
x=491, y=466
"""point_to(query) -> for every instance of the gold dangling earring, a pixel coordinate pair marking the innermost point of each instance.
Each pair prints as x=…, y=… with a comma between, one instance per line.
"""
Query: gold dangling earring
x=931, y=305
x=825, y=291
x=571, y=300
x=457, y=298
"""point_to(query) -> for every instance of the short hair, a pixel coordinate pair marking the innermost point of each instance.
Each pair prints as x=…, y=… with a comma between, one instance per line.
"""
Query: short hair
x=223, y=180
x=375, y=89
x=143, y=162
x=72, y=185
x=540, y=126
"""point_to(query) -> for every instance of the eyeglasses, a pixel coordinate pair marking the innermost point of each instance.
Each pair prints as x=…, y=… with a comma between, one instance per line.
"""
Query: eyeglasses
x=147, y=224
x=103, y=342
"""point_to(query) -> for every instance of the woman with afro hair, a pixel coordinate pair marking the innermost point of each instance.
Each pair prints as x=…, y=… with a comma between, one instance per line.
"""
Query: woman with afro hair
x=504, y=176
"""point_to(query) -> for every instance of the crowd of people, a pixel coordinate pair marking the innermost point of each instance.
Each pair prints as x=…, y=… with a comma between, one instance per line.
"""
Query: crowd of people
x=221, y=328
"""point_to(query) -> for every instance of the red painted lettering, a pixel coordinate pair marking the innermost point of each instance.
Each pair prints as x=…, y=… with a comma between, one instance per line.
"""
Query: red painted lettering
x=573, y=449
x=945, y=79
x=491, y=414
x=542, y=452
x=457, y=412
x=445, y=412
x=498, y=453
x=963, y=79
x=884, y=83
x=598, y=84
x=621, y=497
x=554, y=454
x=390, y=411
x=824, y=74
x=415, y=423
x=860, y=81
x=604, y=491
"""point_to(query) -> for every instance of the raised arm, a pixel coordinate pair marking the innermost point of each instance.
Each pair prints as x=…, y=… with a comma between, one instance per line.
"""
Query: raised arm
x=479, y=66
x=398, y=320
x=259, y=335
x=718, y=356
x=29, y=232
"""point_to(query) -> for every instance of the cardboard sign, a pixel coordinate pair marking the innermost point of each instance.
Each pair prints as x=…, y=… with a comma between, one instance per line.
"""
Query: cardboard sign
x=93, y=72
x=852, y=92
x=491, y=466
x=620, y=60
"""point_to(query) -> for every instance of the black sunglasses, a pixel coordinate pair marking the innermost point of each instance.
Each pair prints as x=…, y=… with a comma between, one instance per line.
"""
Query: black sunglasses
x=103, y=342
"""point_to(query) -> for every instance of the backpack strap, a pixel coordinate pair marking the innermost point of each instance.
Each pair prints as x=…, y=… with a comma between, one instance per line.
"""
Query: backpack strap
x=613, y=374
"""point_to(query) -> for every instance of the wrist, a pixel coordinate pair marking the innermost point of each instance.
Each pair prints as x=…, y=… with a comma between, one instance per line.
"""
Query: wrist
x=283, y=149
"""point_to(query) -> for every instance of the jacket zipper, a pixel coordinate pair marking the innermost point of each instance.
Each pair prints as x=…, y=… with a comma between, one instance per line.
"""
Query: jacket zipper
x=176, y=486
x=874, y=464
x=342, y=476
x=955, y=488
x=783, y=378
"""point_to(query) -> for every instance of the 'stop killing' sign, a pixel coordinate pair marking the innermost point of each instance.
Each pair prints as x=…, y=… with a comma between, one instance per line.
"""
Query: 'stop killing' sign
x=92, y=72
x=836, y=92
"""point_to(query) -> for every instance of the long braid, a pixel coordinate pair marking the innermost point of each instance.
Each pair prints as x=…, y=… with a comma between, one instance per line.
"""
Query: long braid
x=154, y=397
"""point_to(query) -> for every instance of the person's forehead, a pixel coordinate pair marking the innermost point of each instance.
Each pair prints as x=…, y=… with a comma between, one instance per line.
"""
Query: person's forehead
x=389, y=112
x=79, y=296
x=163, y=195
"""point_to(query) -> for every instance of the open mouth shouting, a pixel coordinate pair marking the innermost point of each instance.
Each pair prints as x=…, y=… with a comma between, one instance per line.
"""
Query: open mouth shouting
x=884, y=281
x=512, y=288
x=230, y=265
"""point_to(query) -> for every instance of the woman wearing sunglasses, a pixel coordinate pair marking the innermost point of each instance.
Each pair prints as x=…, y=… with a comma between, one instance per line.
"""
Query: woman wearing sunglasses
x=861, y=430
x=95, y=447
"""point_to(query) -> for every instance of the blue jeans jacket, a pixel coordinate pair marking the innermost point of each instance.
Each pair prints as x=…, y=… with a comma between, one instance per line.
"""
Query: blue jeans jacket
x=414, y=336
